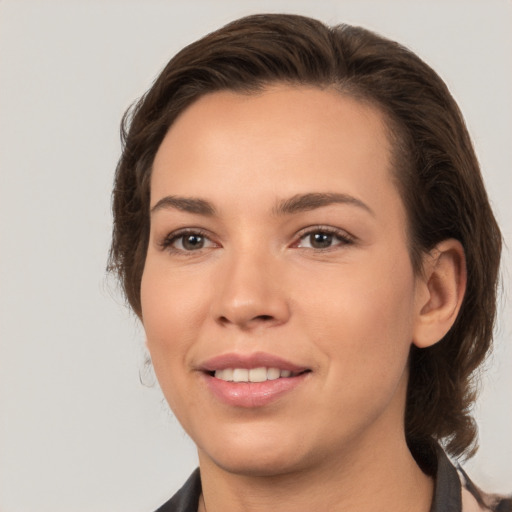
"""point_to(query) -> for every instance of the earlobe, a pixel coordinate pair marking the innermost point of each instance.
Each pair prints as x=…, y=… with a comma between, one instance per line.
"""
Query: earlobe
x=440, y=291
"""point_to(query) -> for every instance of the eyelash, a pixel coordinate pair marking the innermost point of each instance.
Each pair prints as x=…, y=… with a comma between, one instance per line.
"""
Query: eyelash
x=171, y=238
x=343, y=237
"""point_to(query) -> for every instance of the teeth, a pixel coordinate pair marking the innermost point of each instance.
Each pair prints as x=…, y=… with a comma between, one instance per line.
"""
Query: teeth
x=240, y=375
x=253, y=375
x=226, y=374
x=273, y=373
x=257, y=375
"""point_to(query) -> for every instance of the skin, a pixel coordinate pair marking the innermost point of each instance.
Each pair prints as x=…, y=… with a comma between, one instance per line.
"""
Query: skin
x=348, y=311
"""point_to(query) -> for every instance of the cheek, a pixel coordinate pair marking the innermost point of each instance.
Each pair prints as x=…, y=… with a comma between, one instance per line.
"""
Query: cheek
x=166, y=337
x=362, y=318
x=172, y=302
x=171, y=308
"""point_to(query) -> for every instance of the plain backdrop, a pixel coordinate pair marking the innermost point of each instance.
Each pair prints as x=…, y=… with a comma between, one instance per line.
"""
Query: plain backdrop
x=78, y=431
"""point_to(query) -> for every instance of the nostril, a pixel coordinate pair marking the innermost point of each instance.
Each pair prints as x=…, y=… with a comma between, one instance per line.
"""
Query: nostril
x=265, y=318
x=259, y=318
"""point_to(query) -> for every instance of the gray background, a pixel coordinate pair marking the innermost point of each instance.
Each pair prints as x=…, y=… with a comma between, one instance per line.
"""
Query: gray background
x=78, y=432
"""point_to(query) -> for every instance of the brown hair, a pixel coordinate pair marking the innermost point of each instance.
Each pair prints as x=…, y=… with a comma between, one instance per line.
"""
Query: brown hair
x=437, y=174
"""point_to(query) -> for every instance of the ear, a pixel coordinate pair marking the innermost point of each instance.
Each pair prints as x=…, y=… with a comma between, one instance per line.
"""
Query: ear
x=439, y=292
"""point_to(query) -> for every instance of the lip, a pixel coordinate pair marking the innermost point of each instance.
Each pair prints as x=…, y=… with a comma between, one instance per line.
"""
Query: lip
x=248, y=361
x=251, y=394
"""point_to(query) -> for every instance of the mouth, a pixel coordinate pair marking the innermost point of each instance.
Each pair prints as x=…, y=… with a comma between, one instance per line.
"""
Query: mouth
x=261, y=374
x=253, y=380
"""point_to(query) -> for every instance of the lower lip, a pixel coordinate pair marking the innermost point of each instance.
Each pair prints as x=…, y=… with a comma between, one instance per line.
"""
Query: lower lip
x=252, y=394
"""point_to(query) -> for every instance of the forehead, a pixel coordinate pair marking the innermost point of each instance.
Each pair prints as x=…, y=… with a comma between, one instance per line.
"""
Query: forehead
x=284, y=140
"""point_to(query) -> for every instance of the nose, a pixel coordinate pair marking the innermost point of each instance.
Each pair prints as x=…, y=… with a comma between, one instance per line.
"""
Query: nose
x=251, y=293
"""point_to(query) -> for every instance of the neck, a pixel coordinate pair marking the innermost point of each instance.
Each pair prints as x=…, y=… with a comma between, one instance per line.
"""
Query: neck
x=381, y=476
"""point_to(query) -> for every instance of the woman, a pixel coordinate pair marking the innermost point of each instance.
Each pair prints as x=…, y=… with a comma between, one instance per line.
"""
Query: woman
x=302, y=228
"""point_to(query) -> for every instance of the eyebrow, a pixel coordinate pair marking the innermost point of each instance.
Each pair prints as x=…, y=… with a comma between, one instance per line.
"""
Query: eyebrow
x=295, y=204
x=185, y=204
x=311, y=201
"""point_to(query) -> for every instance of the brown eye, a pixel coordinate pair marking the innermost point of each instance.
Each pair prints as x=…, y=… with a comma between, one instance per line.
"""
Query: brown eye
x=187, y=241
x=324, y=238
x=320, y=240
x=190, y=242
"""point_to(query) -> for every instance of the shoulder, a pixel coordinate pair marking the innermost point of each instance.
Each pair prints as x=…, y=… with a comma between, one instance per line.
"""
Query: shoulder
x=476, y=500
x=455, y=492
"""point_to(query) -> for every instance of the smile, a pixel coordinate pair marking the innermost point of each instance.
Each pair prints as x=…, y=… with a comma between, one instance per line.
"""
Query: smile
x=261, y=374
x=251, y=380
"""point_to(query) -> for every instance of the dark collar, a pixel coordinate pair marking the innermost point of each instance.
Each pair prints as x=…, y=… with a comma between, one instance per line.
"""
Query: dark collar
x=447, y=489
x=187, y=498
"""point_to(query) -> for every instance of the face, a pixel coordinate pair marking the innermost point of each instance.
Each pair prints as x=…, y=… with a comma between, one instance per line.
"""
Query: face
x=278, y=296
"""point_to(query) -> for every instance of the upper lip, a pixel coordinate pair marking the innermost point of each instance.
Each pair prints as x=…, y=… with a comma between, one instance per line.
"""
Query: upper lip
x=248, y=361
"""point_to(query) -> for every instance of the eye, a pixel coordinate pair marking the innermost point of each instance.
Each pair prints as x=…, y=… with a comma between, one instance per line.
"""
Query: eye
x=187, y=241
x=324, y=238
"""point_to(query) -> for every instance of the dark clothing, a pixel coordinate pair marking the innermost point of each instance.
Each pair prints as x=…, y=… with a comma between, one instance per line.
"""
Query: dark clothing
x=454, y=492
x=187, y=498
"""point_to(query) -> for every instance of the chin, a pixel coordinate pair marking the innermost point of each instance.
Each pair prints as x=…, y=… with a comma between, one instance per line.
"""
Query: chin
x=263, y=457
x=257, y=467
